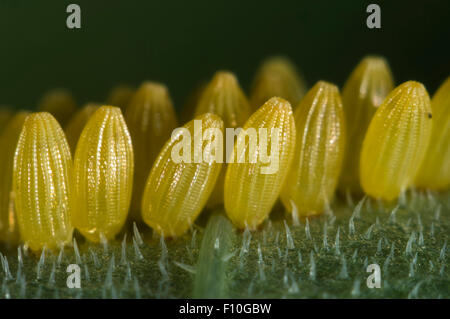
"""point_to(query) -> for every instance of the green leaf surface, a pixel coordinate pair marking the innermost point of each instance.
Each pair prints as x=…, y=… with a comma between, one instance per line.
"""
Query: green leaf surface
x=322, y=257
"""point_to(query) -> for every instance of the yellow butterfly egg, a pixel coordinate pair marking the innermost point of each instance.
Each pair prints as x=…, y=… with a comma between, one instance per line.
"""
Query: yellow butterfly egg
x=277, y=76
x=76, y=124
x=183, y=176
x=151, y=118
x=60, y=103
x=42, y=183
x=319, y=152
x=260, y=162
x=9, y=231
x=224, y=97
x=120, y=96
x=103, y=175
x=435, y=169
x=396, y=142
x=364, y=91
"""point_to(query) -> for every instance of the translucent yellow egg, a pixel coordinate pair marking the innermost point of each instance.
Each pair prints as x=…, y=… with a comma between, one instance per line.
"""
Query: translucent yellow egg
x=9, y=229
x=180, y=181
x=42, y=183
x=435, y=169
x=364, y=91
x=277, y=76
x=60, y=103
x=151, y=118
x=319, y=152
x=396, y=142
x=103, y=175
x=260, y=164
x=224, y=97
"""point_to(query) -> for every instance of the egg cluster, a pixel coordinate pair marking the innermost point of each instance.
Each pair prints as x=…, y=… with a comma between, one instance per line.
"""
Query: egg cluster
x=93, y=168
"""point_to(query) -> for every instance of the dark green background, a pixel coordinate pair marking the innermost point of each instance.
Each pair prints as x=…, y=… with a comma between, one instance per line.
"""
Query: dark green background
x=183, y=42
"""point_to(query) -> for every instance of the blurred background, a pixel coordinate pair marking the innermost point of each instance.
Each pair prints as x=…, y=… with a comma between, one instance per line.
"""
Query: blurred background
x=182, y=43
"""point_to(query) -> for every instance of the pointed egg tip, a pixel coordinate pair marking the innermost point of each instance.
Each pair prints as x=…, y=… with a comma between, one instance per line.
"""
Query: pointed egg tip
x=91, y=105
x=222, y=82
x=149, y=92
x=414, y=87
x=279, y=61
x=328, y=86
x=414, y=90
x=224, y=77
x=278, y=68
x=39, y=117
x=374, y=60
x=58, y=92
x=372, y=67
x=56, y=98
x=322, y=89
x=151, y=86
x=278, y=102
x=109, y=109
